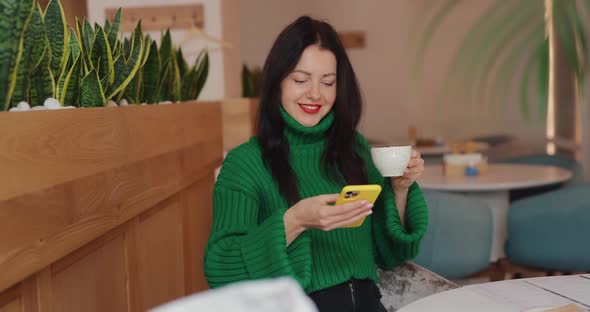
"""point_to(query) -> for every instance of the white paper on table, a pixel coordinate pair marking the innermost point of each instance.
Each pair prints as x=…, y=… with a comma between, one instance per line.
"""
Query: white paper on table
x=458, y=300
x=519, y=295
x=574, y=287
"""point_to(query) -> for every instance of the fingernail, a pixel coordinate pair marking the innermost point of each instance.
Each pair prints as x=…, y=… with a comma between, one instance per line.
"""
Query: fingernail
x=368, y=212
x=364, y=202
x=369, y=205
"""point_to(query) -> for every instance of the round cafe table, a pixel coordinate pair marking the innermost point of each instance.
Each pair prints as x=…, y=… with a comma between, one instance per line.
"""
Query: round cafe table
x=522, y=295
x=493, y=188
x=440, y=150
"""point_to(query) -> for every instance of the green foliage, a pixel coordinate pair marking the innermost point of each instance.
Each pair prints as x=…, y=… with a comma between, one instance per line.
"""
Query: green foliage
x=508, y=34
x=88, y=66
x=14, y=17
x=251, y=81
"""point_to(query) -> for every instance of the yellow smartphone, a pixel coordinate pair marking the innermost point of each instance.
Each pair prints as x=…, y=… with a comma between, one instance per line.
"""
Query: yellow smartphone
x=351, y=193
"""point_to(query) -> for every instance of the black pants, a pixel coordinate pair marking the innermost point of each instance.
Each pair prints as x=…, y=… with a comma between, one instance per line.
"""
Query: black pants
x=352, y=296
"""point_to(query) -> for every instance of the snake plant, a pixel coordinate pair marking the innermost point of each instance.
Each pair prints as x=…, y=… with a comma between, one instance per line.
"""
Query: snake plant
x=87, y=66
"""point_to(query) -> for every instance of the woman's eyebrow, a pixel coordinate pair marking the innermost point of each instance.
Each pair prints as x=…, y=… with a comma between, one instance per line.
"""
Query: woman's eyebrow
x=309, y=74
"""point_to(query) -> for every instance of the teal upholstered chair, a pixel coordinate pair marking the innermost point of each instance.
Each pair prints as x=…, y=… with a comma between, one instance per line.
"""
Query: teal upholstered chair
x=459, y=237
x=551, y=231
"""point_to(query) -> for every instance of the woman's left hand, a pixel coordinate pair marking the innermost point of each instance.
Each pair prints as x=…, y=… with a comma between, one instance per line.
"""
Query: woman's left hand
x=412, y=173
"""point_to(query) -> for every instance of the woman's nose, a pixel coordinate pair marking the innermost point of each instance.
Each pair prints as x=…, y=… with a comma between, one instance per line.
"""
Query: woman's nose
x=314, y=92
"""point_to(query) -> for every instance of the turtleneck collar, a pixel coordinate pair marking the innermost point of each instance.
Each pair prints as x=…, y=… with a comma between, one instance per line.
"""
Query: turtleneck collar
x=298, y=134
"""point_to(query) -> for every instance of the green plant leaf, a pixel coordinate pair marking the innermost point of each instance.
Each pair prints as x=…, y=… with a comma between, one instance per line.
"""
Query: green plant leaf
x=56, y=29
x=14, y=18
x=87, y=43
x=91, y=92
x=246, y=82
x=133, y=89
x=102, y=57
x=151, y=75
x=125, y=70
x=429, y=31
x=74, y=45
x=182, y=65
x=126, y=48
x=197, y=77
x=42, y=81
x=176, y=80
x=113, y=31
x=32, y=55
x=166, y=49
x=202, y=73
x=107, y=26
x=71, y=85
x=118, y=49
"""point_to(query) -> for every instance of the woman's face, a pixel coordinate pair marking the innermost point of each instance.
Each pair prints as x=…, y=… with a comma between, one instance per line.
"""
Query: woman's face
x=309, y=91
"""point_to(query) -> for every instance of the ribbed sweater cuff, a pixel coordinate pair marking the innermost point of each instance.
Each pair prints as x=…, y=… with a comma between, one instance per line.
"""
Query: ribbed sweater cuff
x=407, y=238
x=266, y=255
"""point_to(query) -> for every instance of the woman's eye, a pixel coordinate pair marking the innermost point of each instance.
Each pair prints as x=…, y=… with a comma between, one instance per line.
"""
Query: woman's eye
x=299, y=81
x=328, y=84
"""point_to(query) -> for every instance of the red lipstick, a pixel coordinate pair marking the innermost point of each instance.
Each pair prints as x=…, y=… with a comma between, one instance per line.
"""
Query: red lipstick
x=310, y=108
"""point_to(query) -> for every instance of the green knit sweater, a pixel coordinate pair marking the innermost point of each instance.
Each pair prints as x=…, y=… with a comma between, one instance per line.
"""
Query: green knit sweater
x=248, y=241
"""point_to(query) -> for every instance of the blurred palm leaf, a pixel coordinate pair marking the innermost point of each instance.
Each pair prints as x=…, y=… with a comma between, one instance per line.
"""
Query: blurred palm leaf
x=506, y=35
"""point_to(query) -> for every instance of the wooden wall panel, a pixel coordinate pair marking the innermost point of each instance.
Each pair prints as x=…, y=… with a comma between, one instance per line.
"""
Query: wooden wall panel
x=116, y=213
x=94, y=169
x=160, y=261
x=10, y=300
x=93, y=279
x=12, y=306
x=197, y=201
x=239, y=121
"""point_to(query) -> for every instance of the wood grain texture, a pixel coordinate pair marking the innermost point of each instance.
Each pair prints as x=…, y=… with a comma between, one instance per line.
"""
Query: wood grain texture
x=92, y=280
x=353, y=39
x=75, y=175
x=160, y=17
x=196, y=202
x=239, y=121
x=160, y=260
x=10, y=300
x=12, y=306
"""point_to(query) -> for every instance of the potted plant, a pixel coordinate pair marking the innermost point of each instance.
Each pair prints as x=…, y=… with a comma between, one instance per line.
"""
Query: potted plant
x=82, y=181
x=51, y=67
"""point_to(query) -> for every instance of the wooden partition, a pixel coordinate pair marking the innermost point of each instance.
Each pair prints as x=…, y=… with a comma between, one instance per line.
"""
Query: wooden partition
x=239, y=120
x=105, y=209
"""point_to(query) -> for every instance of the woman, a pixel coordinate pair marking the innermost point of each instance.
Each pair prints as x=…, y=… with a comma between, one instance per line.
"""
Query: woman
x=273, y=201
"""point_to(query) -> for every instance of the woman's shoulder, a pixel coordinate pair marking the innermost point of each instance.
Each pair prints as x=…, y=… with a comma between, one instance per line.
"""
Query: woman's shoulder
x=361, y=142
x=246, y=156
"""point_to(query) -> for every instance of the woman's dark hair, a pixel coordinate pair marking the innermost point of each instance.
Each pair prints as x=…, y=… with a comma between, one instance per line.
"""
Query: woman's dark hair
x=339, y=157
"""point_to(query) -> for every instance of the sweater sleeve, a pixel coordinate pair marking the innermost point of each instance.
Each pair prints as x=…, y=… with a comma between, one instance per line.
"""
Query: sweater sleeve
x=394, y=243
x=242, y=247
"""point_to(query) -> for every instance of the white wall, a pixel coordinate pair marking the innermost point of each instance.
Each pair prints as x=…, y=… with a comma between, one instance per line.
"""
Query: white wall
x=393, y=99
x=214, y=87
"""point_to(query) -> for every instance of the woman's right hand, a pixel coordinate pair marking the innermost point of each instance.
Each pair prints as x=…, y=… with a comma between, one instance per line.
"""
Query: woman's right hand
x=318, y=213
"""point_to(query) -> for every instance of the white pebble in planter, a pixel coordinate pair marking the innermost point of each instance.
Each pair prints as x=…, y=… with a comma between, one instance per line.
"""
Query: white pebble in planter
x=52, y=103
x=112, y=103
x=123, y=103
x=21, y=107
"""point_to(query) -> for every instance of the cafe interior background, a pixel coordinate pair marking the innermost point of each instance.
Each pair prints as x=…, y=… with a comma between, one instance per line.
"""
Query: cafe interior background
x=503, y=80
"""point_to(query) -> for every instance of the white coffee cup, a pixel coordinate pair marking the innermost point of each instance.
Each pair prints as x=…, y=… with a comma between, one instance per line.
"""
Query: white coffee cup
x=391, y=161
